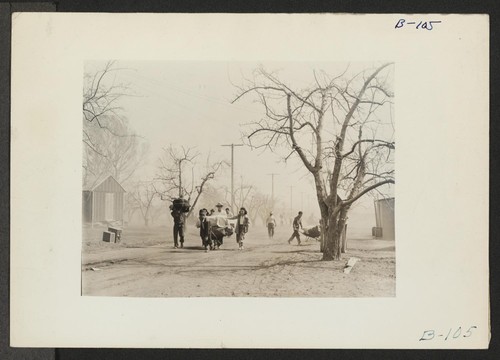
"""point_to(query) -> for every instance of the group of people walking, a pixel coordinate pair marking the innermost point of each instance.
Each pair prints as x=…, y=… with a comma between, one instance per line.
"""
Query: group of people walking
x=214, y=225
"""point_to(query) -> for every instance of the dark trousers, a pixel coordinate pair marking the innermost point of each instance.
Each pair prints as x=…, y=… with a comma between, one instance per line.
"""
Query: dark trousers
x=240, y=236
x=270, y=230
x=295, y=234
x=178, y=233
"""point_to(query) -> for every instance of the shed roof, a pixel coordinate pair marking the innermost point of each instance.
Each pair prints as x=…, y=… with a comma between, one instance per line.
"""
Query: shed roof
x=385, y=199
x=108, y=184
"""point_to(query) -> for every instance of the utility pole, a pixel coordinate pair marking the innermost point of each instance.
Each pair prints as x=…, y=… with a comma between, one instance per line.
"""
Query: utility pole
x=232, y=173
x=180, y=177
x=291, y=200
x=272, y=189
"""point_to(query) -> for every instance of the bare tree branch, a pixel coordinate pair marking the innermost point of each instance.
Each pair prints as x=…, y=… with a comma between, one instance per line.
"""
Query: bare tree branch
x=389, y=145
x=368, y=189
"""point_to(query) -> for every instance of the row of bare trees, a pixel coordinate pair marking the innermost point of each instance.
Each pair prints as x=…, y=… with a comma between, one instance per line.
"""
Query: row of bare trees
x=111, y=147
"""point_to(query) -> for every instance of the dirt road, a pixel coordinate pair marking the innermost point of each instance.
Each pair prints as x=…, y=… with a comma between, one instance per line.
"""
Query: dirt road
x=266, y=268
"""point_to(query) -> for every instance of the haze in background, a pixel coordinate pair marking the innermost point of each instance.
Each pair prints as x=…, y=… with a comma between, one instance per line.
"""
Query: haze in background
x=189, y=104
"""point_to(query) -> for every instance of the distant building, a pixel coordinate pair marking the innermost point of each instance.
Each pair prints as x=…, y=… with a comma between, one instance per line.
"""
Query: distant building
x=103, y=202
x=384, y=218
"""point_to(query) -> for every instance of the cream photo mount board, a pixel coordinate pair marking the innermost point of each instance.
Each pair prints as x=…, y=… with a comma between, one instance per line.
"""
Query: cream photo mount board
x=441, y=110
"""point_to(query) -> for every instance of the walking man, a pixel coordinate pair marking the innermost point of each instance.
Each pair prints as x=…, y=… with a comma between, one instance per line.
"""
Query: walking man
x=179, y=222
x=271, y=224
x=297, y=224
x=219, y=207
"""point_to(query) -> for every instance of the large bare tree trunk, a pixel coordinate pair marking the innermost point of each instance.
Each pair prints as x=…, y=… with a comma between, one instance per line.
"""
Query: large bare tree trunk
x=333, y=242
x=332, y=248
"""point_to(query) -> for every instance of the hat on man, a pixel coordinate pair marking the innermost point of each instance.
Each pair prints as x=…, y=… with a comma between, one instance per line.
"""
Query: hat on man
x=219, y=205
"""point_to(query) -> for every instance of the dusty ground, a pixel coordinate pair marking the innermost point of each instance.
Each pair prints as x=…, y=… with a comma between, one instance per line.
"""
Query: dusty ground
x=145, y=264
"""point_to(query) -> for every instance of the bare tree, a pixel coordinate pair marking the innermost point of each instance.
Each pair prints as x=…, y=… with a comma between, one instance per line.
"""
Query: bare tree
x=112, y=154
x=259, y=207
x=332, y=127
x=246, y=195
x=131, y=206
x=142, y=198
x=101, y=94
x=111, y=147
x=172, y=169
x=212, y=195
x=156, y=211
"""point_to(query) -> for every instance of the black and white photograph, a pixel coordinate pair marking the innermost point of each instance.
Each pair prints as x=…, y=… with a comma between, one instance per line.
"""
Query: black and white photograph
x=238, y=179
x=249, y=181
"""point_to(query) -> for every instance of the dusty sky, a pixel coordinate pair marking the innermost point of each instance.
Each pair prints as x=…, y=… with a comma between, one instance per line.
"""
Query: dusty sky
x=188, y=103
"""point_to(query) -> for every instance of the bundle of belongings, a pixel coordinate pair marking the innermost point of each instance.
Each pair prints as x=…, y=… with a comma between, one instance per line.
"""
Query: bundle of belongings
x=219, y=227
x=313, y=232
x=180, y=204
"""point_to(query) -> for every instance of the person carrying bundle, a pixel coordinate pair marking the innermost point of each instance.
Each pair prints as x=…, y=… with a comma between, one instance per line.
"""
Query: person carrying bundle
x=179, y=209
x=179, y=222
x=219, y=227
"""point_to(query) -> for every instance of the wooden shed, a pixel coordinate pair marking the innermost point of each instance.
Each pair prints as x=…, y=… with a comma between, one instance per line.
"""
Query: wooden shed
x=384, y=217
x=103, y=202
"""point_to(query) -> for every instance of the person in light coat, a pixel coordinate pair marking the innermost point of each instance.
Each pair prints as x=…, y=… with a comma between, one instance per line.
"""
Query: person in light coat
x=271, y=224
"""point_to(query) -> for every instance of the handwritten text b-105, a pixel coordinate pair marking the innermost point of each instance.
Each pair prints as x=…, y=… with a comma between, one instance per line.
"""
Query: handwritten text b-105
x=425, y=25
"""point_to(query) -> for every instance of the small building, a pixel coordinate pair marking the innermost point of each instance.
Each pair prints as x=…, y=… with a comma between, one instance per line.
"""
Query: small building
x=384, y=218
x=103, y=202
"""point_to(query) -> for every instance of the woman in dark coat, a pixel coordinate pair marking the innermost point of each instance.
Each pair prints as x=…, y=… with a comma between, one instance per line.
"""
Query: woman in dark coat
x=204, y=226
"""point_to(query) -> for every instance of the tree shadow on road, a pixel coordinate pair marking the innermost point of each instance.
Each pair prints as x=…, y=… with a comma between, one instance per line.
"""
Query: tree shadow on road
x=302, y=251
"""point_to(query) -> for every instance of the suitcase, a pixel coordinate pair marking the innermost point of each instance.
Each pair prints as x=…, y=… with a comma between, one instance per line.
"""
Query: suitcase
x=108, y=236
x=117, y=232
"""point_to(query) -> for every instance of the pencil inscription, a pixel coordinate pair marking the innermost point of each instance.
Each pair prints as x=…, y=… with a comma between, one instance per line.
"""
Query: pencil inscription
x=451, y=334
x=426, y=25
